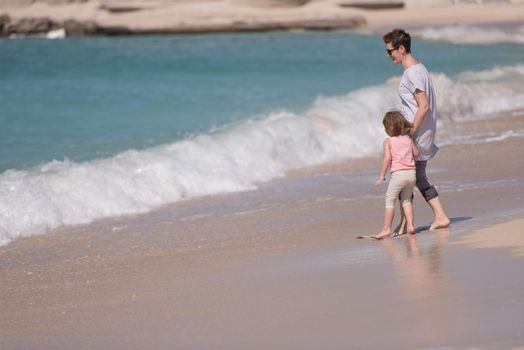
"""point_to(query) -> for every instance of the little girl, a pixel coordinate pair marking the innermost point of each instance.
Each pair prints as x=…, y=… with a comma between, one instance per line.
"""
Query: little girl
x=399, y=154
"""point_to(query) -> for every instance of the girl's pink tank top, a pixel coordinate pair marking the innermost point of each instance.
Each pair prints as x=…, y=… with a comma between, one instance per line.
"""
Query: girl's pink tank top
x=401, y=153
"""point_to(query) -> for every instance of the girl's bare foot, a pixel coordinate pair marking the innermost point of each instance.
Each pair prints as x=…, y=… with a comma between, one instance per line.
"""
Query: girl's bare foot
x=382, y=234
x=400, y=229
x=411, y=230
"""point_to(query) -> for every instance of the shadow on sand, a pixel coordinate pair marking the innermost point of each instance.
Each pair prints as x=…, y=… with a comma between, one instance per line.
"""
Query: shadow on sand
x=453, y=220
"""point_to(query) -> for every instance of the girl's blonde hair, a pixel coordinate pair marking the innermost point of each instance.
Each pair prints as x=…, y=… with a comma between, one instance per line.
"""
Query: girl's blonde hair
x=395, y=123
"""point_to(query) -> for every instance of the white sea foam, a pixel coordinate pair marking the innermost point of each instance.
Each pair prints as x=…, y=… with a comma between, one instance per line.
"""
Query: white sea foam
x=470, y=34
x=480, y=95
x=234, y=158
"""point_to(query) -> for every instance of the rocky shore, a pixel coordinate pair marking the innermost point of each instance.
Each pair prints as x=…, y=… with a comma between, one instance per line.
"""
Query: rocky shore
x=73, y=18
x=47, y=27
x=116, y=17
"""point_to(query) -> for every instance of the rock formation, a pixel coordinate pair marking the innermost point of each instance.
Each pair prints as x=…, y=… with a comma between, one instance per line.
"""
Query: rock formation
x=125, y=17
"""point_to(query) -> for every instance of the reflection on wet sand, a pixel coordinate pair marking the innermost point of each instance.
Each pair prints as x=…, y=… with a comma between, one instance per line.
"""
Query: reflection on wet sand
x=423, y=283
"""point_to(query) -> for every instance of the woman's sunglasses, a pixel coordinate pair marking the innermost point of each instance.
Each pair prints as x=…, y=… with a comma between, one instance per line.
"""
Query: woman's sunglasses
x=389, y=51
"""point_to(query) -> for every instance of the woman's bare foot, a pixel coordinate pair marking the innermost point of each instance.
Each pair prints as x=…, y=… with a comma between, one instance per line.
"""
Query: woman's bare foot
x=441, y=222
x=441, y=219
x=411, y=230
x=382, y=234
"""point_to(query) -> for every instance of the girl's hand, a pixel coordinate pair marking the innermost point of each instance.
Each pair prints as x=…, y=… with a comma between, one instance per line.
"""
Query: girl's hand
x=380, y=181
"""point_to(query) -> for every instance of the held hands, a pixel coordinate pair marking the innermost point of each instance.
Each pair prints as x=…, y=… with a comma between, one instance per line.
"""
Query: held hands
x=380, y=181
x=409, y=132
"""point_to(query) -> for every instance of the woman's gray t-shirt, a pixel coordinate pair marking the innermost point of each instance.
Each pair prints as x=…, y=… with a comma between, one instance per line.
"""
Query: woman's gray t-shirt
x=417, y=77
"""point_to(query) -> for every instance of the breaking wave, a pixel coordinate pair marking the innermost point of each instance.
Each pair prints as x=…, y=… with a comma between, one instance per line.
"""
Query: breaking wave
x=236, y=157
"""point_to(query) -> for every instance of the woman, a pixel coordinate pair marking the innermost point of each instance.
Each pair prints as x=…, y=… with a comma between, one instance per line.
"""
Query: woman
x=419, y=107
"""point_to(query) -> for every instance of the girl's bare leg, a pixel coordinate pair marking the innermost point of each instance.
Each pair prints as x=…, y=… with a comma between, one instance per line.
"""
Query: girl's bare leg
x=389, y=213
x=408, y=212
x=401, y=228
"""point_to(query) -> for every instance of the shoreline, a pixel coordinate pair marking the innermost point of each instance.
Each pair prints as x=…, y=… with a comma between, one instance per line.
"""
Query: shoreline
x=458, y=135
x=281, y=267
x=90, y=18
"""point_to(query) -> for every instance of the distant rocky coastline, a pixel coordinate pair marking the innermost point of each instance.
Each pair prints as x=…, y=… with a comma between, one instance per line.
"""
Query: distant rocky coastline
x=45, y=18
x=46, y=27
x=77, y=18
x=43, y=26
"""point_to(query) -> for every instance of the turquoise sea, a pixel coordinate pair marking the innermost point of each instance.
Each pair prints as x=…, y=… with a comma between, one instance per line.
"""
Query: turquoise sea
x=97, y=127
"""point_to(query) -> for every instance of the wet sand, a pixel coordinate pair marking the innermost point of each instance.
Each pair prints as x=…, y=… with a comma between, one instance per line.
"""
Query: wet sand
x=281, y=268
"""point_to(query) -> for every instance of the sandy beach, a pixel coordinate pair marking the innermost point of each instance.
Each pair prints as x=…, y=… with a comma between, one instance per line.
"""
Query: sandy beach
x=281, y=268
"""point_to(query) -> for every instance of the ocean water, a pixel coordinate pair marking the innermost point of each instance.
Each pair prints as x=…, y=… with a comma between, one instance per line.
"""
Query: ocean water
x=99, y=127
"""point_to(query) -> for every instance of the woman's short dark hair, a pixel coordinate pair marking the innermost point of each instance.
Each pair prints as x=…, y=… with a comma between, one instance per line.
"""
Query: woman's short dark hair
x=398, y=37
